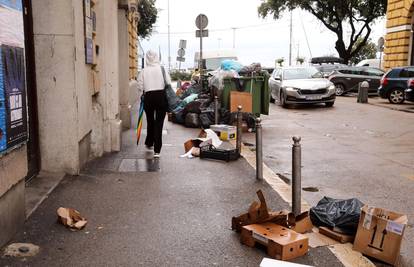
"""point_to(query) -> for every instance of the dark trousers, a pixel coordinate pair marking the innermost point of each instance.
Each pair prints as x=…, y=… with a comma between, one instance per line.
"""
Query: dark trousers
x=155, y=106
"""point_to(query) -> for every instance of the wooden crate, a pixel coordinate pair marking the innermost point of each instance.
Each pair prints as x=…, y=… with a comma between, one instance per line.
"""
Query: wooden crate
x=281, y=242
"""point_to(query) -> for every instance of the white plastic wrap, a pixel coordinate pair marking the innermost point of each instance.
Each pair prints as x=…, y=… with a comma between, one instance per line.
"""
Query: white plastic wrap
x=11, y=27
x=218, y=75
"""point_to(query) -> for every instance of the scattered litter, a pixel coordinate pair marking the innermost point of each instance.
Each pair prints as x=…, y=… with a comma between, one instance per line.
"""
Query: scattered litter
x=380, y=233
x=341, y=215
x=100, y=227
x=266, y=262
x=71, y=218
x=317, y=240
x=21, y=250
x=340, y=237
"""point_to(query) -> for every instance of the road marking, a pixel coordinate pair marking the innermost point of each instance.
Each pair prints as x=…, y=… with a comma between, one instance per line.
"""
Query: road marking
x=344, y=252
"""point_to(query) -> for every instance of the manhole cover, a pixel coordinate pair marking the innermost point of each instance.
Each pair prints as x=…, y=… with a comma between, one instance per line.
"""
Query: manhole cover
x=139, y=165
x=21, y=250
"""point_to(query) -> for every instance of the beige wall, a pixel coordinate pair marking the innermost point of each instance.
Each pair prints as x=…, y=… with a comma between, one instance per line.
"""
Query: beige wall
x=398, y=39
x=13, y=168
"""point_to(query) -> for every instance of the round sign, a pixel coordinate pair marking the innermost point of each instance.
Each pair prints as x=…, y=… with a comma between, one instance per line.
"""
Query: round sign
x=381, y=42
x=181, y=52
x=201, y=21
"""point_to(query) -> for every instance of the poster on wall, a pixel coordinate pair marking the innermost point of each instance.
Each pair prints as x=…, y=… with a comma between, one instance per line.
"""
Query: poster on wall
x=88, y=32
x=15, y=94
x=13, y=112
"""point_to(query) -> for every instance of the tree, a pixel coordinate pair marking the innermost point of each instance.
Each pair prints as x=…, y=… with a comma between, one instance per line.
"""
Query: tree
x=280, y=61
x=147, y=17
x=300, y=60
x=369, y=50
x=336, y=16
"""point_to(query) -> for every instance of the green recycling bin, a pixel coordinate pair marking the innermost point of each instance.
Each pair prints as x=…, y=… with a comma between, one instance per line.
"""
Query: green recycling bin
x=257, y=86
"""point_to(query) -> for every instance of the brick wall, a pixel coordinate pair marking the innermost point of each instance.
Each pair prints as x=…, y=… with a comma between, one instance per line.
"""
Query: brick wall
x=398, y=37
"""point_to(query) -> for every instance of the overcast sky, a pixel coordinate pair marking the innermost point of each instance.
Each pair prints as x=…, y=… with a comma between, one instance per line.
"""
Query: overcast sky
x=257, y=39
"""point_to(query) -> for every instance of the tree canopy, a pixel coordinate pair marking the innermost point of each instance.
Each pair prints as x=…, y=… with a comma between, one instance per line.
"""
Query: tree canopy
x=368, y=51
x=148, y=16
x=336, y=16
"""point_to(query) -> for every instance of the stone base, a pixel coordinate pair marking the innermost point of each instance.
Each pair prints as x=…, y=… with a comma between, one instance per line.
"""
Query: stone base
x=12, y=210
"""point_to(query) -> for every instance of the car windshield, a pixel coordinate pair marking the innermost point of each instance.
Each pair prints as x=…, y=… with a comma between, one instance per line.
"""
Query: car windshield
x=301, y=73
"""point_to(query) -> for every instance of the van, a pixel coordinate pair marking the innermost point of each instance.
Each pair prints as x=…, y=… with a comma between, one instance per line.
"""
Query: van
x=214, y=58
x=374, y=63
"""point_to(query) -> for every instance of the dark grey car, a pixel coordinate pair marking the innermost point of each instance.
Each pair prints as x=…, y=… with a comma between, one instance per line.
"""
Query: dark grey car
x=300, y=85
x=347, y=79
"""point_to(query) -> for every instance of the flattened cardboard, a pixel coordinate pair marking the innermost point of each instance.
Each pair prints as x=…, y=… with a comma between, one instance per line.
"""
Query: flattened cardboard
x=258, y=213
x=303, y=223
x=380, y=233
x=340, y=237
x=281, y=242
x=243, y=99
x=71, y=218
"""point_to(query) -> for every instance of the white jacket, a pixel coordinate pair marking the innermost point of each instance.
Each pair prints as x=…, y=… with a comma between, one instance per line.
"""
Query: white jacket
x=151, y=78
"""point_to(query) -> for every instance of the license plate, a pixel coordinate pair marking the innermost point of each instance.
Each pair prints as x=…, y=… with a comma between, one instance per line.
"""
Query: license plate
x=313, y=97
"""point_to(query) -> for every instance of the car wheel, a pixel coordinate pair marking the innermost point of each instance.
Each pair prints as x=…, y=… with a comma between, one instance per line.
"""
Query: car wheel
x=329, y=104
x=396, y=96
x=283, y=100
x=339, y=89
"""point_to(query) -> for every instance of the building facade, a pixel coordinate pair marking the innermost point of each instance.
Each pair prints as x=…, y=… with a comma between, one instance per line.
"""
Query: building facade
x=399, y=35
x=79, y=58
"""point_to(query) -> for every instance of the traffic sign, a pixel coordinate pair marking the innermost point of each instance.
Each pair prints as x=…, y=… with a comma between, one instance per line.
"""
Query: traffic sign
x=205, y=33
x=183, y=44
x=181, y=59
x=201, y=21
x=181, y=52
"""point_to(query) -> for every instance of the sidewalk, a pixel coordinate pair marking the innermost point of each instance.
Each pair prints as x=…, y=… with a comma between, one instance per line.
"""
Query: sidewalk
x=176, y=214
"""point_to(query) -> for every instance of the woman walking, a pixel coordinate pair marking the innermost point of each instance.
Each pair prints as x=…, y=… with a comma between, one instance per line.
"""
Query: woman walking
x=152, y=80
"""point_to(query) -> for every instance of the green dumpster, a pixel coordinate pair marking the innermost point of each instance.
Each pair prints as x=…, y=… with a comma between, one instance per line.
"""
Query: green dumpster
x=256, y=85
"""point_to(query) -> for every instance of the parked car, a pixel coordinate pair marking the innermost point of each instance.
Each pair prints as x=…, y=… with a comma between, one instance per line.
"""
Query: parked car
x=327, y=69
x=327, y=64
x=374, y=62
x=300, y=85
x=394, y=82
x=347, y=79
x=409, y=92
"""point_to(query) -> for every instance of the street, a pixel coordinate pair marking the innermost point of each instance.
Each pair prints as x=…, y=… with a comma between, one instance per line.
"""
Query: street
x=350, y=150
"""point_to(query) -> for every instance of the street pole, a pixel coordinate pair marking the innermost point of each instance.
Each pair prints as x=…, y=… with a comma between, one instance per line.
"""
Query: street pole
x=201, y=53
x=169, y=38
x=239, y=129
x=259, y=150
x=296, y=175
x=216, y=110
x=234, y=38
x=291, y=36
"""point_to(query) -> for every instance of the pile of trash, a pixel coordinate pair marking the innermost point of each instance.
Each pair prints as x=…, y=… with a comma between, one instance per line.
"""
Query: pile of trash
x=194, y=106
x=374, y=232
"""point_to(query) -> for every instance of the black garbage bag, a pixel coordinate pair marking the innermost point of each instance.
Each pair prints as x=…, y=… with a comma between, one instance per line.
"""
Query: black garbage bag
x=249, y=118
x=192, y=120
x=172, y=99
x=206, y=118
x=178, y=115
x=191, y=90
x=341, y=214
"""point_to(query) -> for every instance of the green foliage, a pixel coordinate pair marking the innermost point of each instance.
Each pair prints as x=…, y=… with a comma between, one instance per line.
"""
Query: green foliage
x=369, y=50
x=300, y=60
x=358, y=15
x=148, y=16
x=280, y=61
x=180, y=75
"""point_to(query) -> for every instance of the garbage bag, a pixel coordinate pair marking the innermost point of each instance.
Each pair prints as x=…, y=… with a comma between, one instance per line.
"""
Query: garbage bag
x=172, y=99
x=229, y=64
x=341, y=214
x=189, y=99
x=247, y=117
x=190, y=90
x=248, y=70
x=192, y=120
x=196, y=105
x=178, y=115
x=206, y=118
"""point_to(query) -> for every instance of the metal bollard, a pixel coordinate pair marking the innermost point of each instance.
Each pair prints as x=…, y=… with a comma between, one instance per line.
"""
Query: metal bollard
x=296, y=175
x=239, y=129
x=216, y=110
x=259, y=150
x=363, y=92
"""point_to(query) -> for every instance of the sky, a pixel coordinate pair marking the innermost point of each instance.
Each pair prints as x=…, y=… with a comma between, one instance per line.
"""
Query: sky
x=256, y=39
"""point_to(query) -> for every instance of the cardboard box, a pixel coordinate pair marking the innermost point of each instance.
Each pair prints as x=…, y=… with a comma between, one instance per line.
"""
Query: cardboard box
x=225, y=132
x=340, y=237
x=281, y=242
x=380, y=233
x=243, y=99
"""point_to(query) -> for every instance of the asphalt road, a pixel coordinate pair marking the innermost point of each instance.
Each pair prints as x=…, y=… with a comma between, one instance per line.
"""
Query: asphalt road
x=350, y=150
